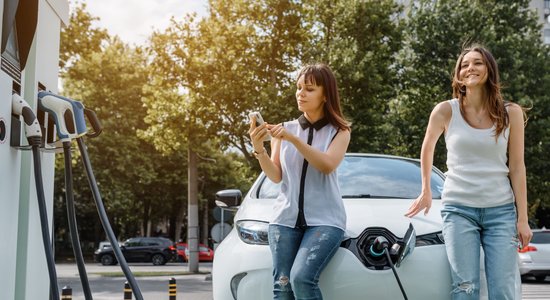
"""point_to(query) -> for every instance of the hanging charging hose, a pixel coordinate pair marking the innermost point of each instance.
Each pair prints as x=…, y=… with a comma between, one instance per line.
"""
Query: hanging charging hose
x=79, y=114
x=71, y=217
x=380, y=247
x=34, y=136
x=105, y=220
x=62, y=112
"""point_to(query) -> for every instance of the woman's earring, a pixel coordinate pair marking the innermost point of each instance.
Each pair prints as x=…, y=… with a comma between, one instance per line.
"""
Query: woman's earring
x=462, y=90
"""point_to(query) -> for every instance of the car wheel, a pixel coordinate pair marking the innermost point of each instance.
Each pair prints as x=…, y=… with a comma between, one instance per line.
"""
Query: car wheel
x=540, y=277
x=107, y=260
x=158, y=259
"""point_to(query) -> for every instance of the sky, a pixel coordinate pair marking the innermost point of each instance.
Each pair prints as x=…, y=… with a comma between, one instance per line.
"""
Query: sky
x=134, y=20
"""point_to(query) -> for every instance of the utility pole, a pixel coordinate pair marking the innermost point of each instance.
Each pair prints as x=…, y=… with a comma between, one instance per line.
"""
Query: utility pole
x=192, y=212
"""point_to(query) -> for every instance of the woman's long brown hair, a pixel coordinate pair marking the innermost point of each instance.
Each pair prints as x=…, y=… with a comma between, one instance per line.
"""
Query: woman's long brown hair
x=321, y=75
x=495, y=105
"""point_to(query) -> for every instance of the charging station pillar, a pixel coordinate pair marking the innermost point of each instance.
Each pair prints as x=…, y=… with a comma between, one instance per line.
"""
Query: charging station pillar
x=24, y=273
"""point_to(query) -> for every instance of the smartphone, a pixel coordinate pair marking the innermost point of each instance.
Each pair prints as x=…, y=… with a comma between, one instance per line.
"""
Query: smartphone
x=259, y=121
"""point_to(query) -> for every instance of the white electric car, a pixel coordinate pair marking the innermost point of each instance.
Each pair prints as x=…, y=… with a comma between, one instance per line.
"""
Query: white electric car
x=377, y=191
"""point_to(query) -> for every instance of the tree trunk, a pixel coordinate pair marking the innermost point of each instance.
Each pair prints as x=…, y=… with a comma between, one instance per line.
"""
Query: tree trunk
x=204, y=231
x=192, y=213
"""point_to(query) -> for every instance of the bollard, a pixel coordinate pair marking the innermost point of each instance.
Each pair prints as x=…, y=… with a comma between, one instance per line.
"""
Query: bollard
x=127, y=291
x=172, y=289
x=67, y=293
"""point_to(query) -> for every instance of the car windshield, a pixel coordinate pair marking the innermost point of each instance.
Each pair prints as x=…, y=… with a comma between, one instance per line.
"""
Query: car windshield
x=374, y=177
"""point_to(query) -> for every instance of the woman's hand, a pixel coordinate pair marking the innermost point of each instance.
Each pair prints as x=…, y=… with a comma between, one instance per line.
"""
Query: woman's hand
x=423, y=202
x=258, y=134
x=524, y=233
x=279, y=132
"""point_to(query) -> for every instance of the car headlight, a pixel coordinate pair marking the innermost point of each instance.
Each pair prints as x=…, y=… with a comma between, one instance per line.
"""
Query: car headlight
x=253, y=232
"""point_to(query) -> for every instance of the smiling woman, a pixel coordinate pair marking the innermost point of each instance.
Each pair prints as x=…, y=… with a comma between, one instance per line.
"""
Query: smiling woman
x=484, y=196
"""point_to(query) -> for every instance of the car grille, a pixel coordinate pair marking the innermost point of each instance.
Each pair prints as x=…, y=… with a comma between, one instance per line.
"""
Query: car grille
x=360, y=246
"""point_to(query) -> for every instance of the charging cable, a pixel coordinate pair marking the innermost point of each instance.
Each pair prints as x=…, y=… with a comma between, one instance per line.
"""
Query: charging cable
x=380, y=247
x=20, y=107
x=64, y=117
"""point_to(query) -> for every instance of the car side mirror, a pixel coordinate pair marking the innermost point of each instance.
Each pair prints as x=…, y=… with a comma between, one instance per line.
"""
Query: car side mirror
x=229, y=199
x=409, y=242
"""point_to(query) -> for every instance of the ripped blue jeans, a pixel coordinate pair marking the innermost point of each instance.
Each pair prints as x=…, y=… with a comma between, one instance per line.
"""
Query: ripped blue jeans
x=299, y=256
x=494, y=228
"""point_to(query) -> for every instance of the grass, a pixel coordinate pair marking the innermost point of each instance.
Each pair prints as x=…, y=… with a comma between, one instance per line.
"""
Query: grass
x=147, y=274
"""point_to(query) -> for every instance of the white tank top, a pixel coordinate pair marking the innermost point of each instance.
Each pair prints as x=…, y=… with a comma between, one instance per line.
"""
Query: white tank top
x=305, y=190
x=477, y=173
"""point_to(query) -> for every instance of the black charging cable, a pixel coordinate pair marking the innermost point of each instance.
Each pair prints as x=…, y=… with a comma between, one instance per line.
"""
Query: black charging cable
x=35, y=143
x=395, y=273
x=71, y=218
x=377, y=249
x=105, y=220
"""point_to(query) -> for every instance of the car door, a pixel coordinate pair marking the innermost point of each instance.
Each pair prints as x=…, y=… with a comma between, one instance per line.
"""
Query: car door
x=133, y=250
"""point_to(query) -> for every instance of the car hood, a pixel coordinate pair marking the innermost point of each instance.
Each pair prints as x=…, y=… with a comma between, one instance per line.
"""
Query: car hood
x=361, y=214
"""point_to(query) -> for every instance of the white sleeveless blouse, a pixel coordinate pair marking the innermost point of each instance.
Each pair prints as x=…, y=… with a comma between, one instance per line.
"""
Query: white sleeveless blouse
x=305, y=188
x=477, y=173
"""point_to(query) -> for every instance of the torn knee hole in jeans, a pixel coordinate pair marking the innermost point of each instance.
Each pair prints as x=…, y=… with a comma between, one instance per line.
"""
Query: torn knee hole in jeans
x=283, y=280
x=466, y=287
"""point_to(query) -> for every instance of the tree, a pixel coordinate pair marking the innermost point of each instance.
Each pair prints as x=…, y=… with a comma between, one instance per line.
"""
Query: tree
x=80, y=38
x=221, y=67
x=359, y=39
x=436, y=32
x=107, y=76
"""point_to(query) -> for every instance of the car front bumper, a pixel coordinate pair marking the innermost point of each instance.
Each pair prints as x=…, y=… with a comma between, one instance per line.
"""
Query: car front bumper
x=424, y=274
x=526, y=266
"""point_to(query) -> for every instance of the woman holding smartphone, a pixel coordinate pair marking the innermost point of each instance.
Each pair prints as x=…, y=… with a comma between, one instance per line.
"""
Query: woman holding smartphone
x=309, y=219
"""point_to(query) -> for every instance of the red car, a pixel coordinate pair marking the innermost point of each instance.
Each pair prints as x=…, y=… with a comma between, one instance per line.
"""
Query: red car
x=205, y=253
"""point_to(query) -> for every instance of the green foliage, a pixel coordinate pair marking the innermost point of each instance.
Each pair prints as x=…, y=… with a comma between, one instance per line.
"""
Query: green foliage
x=217, y=69
x=359, y=39
x=80, y=39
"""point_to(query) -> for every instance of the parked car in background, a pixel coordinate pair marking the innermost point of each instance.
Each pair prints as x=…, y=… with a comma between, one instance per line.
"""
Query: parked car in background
x=377, y=190
x=534, y=259
x=157, y=250
x=205, y=253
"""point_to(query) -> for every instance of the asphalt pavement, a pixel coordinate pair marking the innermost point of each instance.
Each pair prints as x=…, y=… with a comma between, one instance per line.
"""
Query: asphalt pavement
x=193, y=286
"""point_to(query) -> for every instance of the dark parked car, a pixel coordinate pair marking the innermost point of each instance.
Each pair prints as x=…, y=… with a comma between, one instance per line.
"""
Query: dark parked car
x=157, y=250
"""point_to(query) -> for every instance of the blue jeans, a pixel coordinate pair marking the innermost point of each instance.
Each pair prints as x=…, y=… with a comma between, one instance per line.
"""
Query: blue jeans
x=494, y=228
x=299, y=256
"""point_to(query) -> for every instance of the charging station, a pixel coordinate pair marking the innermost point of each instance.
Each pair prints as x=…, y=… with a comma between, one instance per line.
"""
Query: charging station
x=29, y=63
